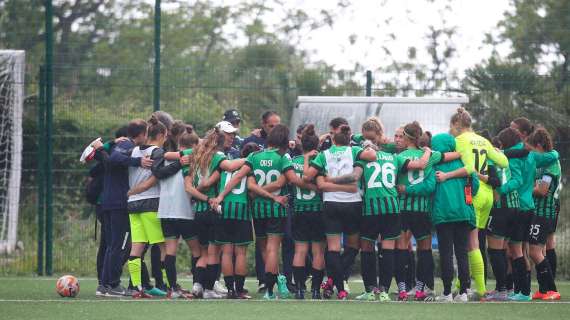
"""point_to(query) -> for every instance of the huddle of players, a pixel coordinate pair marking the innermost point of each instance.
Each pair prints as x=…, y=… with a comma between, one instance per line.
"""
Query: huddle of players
x=350, y=192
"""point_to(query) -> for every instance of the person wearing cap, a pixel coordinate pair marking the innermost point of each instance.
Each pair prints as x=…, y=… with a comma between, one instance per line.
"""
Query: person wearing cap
x=230, y=133
x=232, y=116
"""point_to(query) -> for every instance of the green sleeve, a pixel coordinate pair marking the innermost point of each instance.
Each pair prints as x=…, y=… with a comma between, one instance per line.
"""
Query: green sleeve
x=545, y=159
x=424, y=188
x=356, y=151
x=319, y=162
x=516, y=181
x=434, y=158
x=496, y=156
x=217, y=160
x=389, y=148
x=249, y=160
x=357, y=139
x=108, y=145
x=286, y=163
x=401, y=162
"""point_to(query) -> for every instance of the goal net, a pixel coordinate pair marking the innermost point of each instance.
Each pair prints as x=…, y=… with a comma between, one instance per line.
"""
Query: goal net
x=12, y=65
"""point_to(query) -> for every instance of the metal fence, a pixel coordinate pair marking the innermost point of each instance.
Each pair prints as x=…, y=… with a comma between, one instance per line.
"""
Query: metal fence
x=69, y=104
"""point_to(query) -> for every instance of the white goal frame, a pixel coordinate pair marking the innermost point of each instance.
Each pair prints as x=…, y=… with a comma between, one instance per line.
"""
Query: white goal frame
x=9, y=228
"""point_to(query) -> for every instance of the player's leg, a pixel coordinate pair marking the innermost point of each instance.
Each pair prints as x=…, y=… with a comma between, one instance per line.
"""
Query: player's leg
x=153, y=230
x=318, y=267
x=119, y=247
x=333, y=229
x=228, y=268
x=300, y=229
x=461, y=233
x=242, y=238
x=421, y=229
x=538, y=233
x=445, y=242
x=497, y=230
x=369, y=231
x=272, y=261
x=482, y=203
x=402, y=259
x=551, y=253
x=139, y=241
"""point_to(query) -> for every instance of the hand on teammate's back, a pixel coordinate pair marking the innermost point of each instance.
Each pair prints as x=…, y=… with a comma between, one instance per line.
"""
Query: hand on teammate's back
x=146, y=162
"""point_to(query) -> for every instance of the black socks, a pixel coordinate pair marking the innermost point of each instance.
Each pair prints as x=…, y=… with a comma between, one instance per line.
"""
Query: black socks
x=498, y=258
x=552, y=260
x=170, y=267
x=386, y=269
x=368, y=269
x=300, y=275
x=317, y=278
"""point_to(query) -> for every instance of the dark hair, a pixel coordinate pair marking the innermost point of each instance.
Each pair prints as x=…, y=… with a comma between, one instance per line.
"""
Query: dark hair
x=309, y=139
x=413, y=131
x=188, y=139
x=462, y=118
x=300, y=128
x=524, y=125
x=268, y=114
x=541, y=137
x=249, y=148
x=337, y=122
x=279, y=137
x=136, y=127
x=343, y=137
x=425, y=140
x=155, y=127
x=178, y=128
x=122, y=132
x=508, y=137
x=164, y=117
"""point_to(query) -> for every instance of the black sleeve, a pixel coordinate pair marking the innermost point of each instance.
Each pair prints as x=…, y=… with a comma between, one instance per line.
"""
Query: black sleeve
x=159, y=169
x=97, y=170
x=102, y=156
x=518, y=153
x=405, y=166
x=493, y=180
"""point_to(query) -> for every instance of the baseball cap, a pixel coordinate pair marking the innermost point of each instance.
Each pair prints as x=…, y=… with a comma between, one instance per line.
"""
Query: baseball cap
x=226, y=127
x=231, y=115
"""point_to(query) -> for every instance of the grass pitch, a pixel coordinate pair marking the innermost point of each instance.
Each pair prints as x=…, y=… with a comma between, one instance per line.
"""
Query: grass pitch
x=35, y=298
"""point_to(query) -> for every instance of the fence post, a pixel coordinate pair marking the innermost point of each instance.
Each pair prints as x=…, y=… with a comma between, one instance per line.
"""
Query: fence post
x=368, y=83
x=48, y=137
x=156, y=95
x=41, y=168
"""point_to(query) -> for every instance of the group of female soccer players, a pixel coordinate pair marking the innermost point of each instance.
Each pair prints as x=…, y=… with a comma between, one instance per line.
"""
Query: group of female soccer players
x=351, y=193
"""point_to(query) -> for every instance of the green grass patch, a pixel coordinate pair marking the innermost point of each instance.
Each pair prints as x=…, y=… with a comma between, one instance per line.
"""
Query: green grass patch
x=35, y=298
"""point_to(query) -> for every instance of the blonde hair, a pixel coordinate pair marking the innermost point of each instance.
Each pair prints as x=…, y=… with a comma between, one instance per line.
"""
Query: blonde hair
x=204, y=152
x=373, y=124
x=461, y=118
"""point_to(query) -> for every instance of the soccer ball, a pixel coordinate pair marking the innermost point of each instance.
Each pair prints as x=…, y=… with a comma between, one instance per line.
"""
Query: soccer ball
x=67, y=286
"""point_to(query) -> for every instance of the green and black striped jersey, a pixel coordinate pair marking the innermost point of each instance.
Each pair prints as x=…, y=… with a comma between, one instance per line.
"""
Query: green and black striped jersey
x=305, y=200
x=509, y=200
x=416, y=202
x=235, y=205
x=546, y=206
x=204, y=206
x=267, y=166
x=379, y=184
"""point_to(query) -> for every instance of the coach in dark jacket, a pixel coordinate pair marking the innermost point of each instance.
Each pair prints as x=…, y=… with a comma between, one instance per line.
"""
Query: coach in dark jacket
x=114, y=203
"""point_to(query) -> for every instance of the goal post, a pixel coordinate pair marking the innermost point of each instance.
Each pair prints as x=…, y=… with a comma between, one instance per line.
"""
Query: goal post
x=12, y=70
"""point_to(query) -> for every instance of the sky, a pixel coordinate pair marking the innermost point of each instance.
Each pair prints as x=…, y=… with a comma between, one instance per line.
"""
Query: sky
x=374, y=21
x=410, y=21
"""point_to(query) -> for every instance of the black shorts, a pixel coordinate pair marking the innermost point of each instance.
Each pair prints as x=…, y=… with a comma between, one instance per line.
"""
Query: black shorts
x=539, y=229
x=419, y=223
x=269, y=226
x=388, y=226
x=342, y=217
x=308, y=227
x=176, y=228
x=501, y=222
x=521, y=225
x=206, y=225
x=231, y=231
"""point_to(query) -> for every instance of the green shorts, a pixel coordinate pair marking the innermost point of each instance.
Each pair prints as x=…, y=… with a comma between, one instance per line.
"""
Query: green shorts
x=145, y=228
x=482, y=203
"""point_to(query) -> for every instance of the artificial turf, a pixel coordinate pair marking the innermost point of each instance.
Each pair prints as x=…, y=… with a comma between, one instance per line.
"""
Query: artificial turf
x=35, y=298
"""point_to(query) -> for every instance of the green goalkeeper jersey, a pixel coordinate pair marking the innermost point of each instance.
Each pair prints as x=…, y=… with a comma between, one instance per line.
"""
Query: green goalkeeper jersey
x=305, y=200
x=420, y=202
x=267, y=166
x=546, y=206
x=379, y=184
x=235, y=205
x=204, y=206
